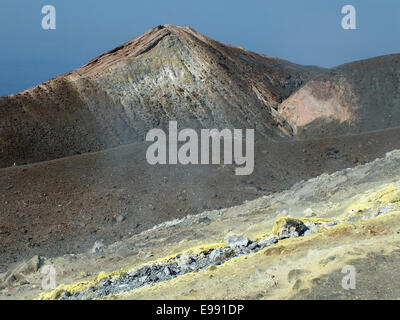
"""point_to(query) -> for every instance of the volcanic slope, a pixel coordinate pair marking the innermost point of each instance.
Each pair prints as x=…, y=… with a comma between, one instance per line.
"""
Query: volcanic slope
x=350, y=217
x=167, y=73
x=66, y=205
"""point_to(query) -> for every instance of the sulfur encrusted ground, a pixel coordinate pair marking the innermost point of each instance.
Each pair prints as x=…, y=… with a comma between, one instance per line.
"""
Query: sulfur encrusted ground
x=357, y=214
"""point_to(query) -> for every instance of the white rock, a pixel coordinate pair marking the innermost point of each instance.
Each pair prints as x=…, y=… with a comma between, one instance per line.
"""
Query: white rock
x=98, y=246
x=237, y=241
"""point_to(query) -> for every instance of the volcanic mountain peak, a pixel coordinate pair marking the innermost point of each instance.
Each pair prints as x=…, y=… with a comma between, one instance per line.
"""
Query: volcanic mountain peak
x=190, y=56
x=136, y=47
x=175, y=73
x=126, y=51
x=185, y=36
x=167, y=73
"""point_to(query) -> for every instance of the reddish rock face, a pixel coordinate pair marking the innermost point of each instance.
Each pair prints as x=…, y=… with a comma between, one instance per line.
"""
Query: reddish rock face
x=353, y=98
x=303, y=107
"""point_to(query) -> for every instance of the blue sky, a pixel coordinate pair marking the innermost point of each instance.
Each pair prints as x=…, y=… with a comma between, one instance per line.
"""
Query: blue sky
x=302, y=31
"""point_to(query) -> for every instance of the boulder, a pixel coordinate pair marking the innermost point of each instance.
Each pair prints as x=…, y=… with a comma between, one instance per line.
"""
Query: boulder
x=285, y=227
